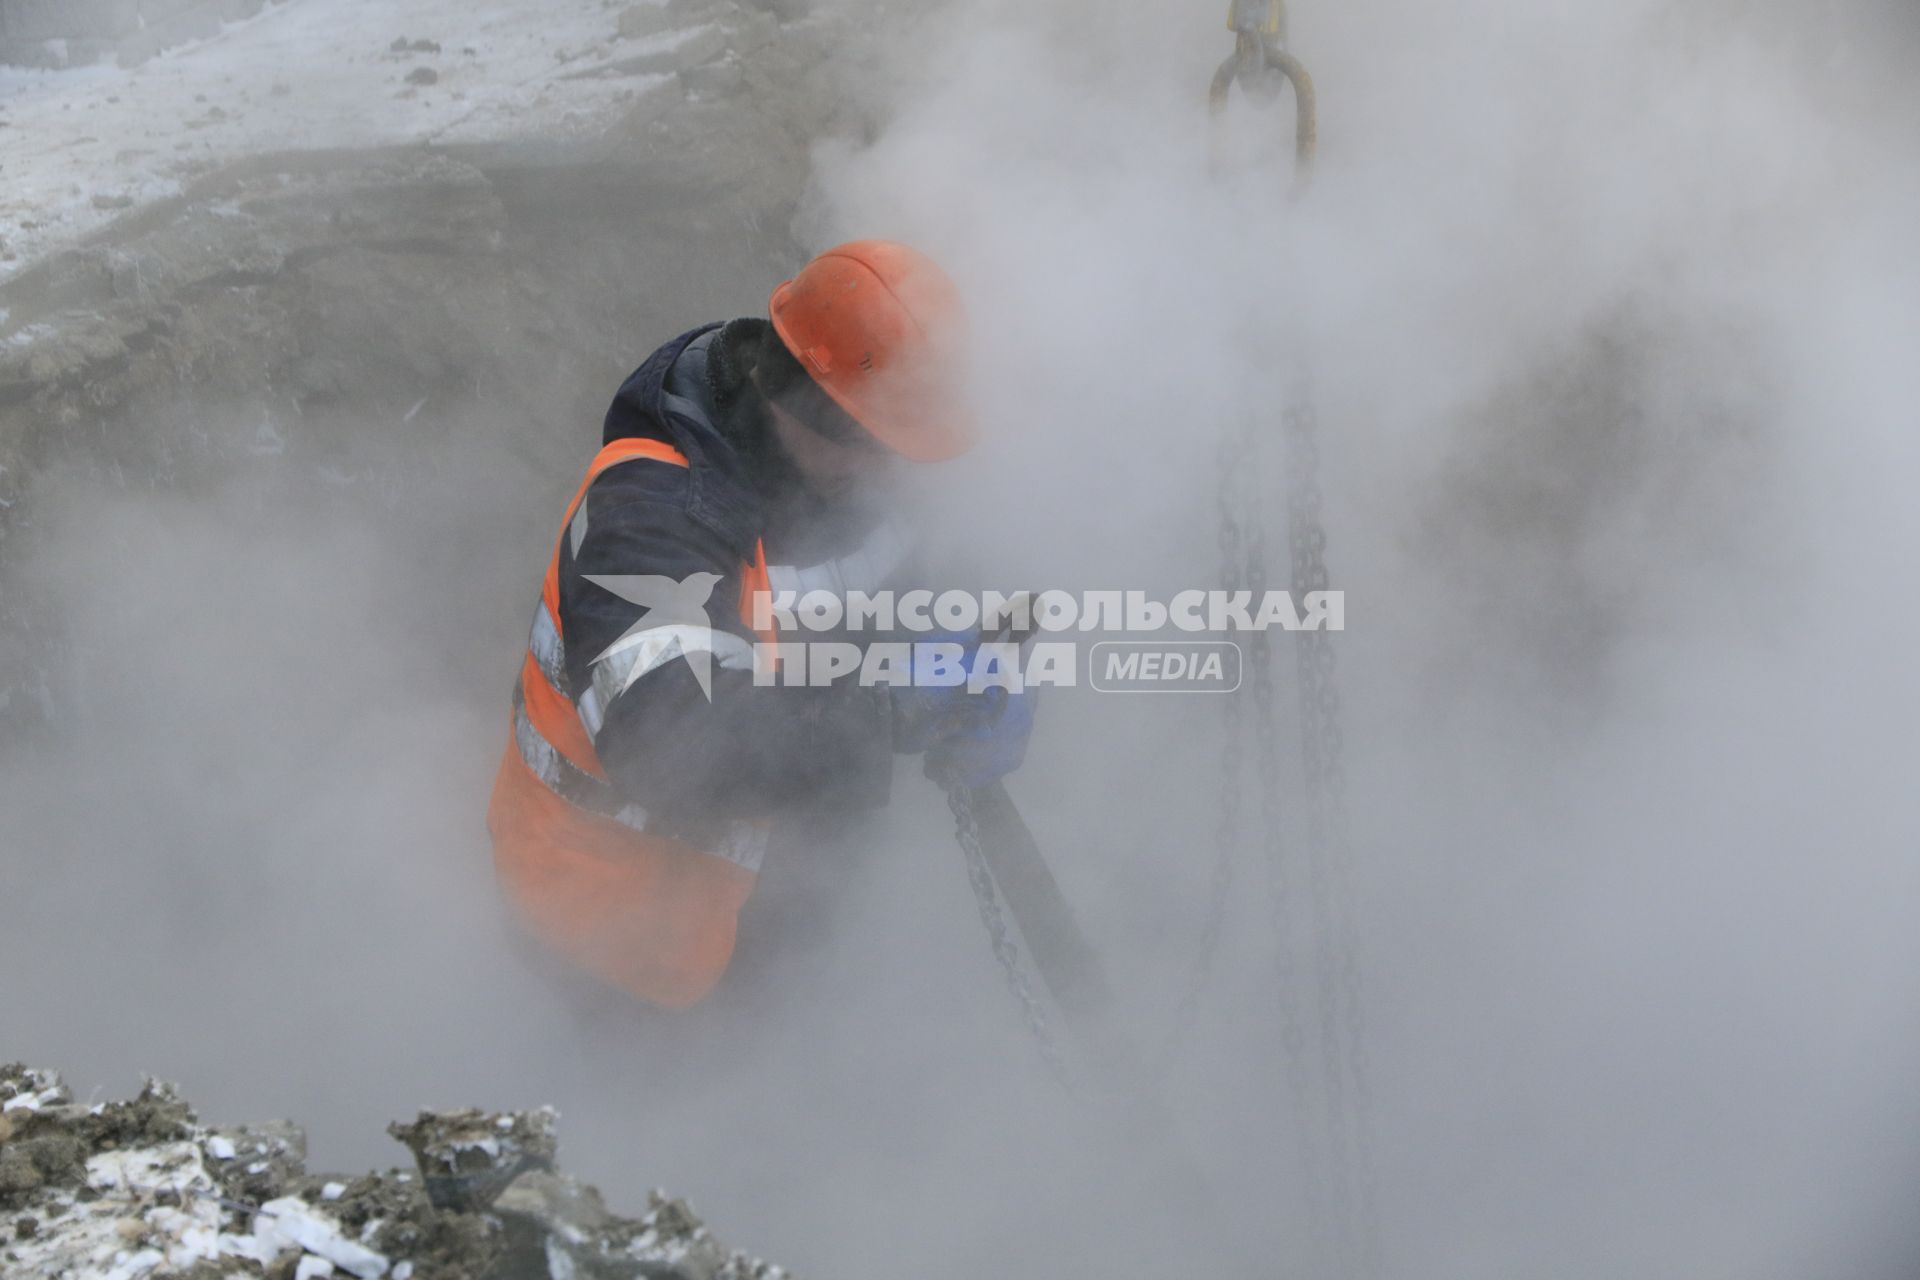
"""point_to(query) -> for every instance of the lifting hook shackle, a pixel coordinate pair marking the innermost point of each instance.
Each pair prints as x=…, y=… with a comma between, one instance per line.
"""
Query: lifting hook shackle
x=1258, y=57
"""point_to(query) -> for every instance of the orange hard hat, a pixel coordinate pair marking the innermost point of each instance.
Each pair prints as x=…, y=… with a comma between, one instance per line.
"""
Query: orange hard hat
x=881, y=328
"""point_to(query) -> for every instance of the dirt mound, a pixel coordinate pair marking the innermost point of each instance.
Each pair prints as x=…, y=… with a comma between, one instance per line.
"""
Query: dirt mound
x=125, y=1190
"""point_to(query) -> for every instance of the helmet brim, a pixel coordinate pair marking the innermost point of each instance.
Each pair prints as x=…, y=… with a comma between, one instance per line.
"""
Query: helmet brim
x=921, y=421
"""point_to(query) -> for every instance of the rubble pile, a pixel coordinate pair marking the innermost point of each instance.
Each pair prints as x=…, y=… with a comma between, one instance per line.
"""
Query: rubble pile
x=127, y=1190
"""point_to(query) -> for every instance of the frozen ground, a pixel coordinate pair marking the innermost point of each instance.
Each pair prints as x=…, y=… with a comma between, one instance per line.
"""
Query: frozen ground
x=128, y=1189
x=78, y=147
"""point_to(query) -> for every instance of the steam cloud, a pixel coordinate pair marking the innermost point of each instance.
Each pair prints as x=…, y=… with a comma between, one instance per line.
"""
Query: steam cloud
x=1610, y=312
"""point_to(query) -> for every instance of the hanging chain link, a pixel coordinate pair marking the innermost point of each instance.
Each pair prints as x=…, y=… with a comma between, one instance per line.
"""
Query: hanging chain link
x=1233, y=457
x=1243, y=553
x=1322, y=1190
x=1005, y=950
x=1340, y=1184
x=1337, y=970
x=1340, y=1189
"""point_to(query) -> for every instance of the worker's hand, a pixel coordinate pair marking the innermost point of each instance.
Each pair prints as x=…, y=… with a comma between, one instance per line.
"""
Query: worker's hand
x=973, y=753
x=939, y=702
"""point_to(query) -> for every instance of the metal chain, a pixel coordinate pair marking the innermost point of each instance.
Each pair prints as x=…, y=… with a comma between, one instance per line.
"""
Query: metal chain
x=1259, y=64
x=1005, y=950
x=1342, y=1029
x=1243, y=543
x=1322, y=1188
x=1226, y=832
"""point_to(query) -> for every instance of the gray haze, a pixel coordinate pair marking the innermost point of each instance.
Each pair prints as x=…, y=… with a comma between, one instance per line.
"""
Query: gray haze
x=1612, y=312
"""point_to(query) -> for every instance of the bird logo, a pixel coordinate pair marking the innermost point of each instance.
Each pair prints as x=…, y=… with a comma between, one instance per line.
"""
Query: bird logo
x=675, y=624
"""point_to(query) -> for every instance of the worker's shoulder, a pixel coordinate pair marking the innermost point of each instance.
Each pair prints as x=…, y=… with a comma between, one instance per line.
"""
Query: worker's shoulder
x=643, y=479
x=639, y=519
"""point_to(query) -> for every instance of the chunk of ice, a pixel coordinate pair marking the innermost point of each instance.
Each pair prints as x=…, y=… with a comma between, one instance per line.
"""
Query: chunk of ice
x=292, y=1222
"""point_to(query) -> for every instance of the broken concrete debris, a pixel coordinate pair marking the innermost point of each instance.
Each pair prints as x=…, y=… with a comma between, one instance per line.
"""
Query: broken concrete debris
x=136, y=1189
x=469, y=1157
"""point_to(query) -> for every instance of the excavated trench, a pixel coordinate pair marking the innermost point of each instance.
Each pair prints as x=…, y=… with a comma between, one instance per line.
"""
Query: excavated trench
x=417, y=342
x=279, y=461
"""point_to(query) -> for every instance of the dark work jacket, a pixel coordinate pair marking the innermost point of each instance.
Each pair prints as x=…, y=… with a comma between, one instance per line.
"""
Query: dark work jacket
x=752, y=751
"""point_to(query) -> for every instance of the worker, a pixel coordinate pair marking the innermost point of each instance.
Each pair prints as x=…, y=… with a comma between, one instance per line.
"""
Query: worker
x=647, y=766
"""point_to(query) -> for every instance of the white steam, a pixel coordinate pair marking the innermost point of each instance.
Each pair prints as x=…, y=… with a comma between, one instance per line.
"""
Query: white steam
x=1611, y=313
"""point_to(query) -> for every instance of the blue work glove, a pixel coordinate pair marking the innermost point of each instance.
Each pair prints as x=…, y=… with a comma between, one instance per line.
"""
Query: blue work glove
x=924, y=711
x=973, y=753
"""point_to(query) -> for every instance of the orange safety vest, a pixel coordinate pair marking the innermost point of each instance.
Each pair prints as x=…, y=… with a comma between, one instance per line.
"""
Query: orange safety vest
x=647, y=913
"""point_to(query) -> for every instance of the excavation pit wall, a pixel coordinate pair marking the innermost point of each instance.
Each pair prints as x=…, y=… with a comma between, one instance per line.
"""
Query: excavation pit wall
x=358, y=387
x=414, y=345
x=365, y=337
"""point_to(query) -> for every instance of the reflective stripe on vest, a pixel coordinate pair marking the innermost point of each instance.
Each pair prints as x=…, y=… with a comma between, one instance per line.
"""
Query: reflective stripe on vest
x=564, y=778
x=549, y=652
x=628, y=659
x=554, y=736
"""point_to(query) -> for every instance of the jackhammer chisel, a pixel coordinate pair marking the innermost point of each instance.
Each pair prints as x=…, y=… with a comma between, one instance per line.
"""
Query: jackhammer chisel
x=1065, y=959
x=1004, y=861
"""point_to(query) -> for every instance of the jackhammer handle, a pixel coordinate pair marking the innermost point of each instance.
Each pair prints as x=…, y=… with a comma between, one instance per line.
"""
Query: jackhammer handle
x=1066, y=960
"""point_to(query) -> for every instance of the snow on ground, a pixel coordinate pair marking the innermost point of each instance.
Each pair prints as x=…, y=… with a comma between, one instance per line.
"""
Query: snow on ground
x=80, y=147
x=138, y=1189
